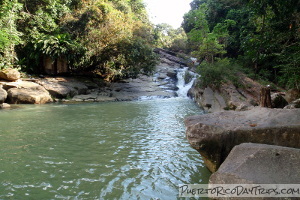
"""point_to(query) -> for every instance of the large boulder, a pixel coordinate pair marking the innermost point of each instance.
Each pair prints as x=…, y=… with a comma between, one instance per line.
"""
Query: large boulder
x=3, y=95
x=10, y=74
x=28, y=93
x=250, y=163
x=62, y=87
x=228, y=96
x=214, y=135
x=207, y=98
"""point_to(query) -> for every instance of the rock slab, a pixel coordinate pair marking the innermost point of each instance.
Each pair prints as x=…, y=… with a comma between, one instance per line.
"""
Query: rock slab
x=63, y=87
x=214, y=135
x=251, y=163
x=28, y=93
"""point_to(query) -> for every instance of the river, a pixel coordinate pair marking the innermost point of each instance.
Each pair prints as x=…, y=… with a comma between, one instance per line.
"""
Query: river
x=115, y=150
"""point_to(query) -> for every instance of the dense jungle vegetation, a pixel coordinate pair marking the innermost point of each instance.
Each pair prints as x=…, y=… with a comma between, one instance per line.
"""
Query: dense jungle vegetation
x=262, y=36
x=114, y=38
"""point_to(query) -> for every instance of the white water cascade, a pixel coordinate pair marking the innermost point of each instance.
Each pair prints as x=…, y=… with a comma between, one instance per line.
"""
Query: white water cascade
x=184, y=87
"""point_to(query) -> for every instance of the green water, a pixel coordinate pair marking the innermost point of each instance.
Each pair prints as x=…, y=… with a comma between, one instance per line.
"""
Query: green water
x=117, y=150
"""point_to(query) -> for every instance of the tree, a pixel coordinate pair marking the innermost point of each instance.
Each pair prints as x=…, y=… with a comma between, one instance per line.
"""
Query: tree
x=169, y=38
x=9, y=35
x=83, y=32
x=262, y=34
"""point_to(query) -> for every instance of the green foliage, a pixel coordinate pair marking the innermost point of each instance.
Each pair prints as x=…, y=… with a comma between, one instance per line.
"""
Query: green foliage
x=264, y=35
x=55, y=46
x=214, y=74
x=9, y=35
x=169, y=38
x=110, y=32
x=126, y=59
x=208, y=44
x=114, y=36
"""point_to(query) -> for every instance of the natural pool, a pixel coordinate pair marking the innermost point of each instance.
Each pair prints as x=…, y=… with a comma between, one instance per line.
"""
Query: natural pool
x=116, y=150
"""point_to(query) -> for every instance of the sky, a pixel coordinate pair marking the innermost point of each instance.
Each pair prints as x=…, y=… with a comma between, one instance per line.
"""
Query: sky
x=167, y=11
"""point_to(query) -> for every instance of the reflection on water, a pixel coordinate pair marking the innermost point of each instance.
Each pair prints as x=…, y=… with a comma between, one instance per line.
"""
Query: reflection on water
x=119, y=150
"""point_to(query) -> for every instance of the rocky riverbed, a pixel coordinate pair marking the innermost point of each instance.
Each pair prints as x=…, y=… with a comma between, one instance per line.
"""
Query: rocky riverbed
x=162, y=84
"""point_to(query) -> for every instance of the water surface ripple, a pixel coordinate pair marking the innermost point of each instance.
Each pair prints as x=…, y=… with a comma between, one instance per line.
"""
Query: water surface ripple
x=116, y=150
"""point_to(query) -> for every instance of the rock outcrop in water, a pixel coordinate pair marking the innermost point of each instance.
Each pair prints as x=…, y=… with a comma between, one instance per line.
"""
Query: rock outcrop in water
x=25, y=92
x=228, y=96
x=250, y=163
x=214, y=135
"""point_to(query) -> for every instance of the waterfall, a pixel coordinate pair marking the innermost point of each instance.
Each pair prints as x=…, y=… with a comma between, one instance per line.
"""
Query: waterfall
x=184, y=75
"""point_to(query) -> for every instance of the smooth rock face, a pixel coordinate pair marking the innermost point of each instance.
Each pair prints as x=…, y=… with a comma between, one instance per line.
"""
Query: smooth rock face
x=250, y=163
x=170, y=57
x=228, y=96
x=28, y=93
x=63, y=88
x=3, y=95
x=214, y=135
x=10, y=74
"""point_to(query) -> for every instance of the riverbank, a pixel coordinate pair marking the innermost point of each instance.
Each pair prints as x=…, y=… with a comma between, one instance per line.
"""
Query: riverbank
x=245, y=96
x=243, y=143
x=162, y=84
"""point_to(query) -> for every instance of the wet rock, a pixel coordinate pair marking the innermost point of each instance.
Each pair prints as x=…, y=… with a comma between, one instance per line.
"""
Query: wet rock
x=214, y=135
x=3, y=95
x=278, y=101
x=172, y=75
x=10, y=74
x=196, y=93
x=295, y=104
x=140, y=87
x=250, y=163
x=210, y=100
x=104, y=98
x=28, y=93
x=4, y=106
x=86, y=97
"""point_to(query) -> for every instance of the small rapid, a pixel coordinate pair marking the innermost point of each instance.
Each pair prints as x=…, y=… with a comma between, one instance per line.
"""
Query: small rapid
x=185, y=80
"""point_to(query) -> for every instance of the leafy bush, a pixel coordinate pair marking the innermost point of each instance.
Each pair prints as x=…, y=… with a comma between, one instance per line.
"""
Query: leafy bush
x=126, y=59
x=214, y=74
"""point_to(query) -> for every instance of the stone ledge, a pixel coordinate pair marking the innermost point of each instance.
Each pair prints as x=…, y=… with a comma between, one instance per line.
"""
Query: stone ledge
x=214, y=135
x=250, y=163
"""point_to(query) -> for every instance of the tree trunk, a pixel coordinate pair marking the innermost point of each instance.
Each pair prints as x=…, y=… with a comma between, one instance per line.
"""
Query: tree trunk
x=265, y=97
